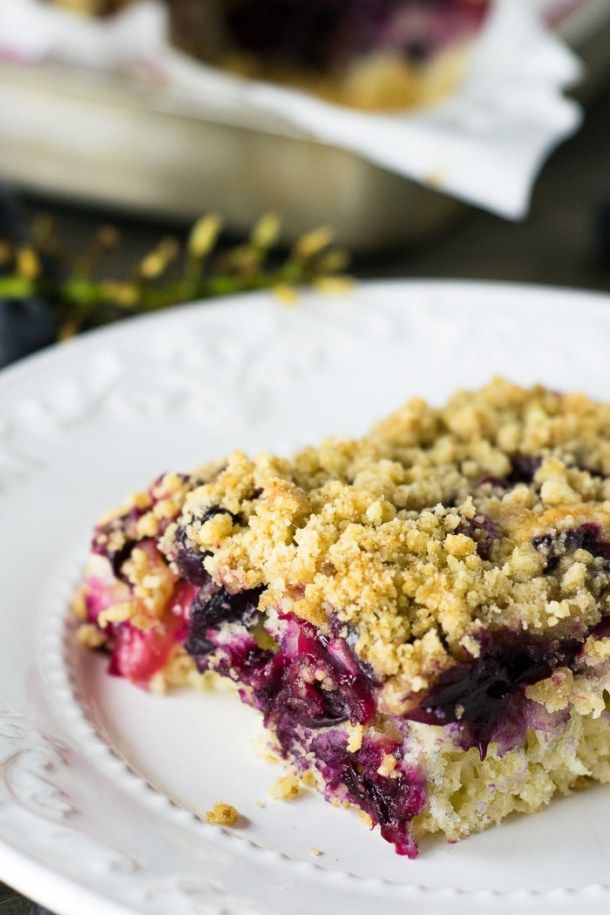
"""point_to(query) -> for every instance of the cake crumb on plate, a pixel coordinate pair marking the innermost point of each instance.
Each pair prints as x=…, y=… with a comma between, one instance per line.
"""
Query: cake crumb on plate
x=222, y=814
x=286, y=788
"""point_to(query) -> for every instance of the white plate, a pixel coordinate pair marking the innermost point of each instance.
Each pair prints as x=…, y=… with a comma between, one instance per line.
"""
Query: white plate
x=99, y=781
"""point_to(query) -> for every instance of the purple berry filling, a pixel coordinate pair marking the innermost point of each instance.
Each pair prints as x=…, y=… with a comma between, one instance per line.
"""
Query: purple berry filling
x=306, y=690
x=586, y=537
x=594, y=472
x=523, y=470
x=310, y=681
x=477, y=694
x=126, y=526
x=103, y=535
x=313, y=682
x=524, y=467
x=311, y=685
x=483, y=531
x=319, y=35
x=212, y=607
x=390, y=802
x=189, y=560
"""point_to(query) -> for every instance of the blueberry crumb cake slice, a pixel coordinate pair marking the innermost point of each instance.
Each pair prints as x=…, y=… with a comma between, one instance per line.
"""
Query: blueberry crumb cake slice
x=379, y=55
x=421, y=615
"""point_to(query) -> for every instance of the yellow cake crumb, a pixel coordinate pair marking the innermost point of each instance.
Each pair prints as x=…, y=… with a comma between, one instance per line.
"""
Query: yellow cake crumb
x=364, y=817
x=79, y=606
x=387, y=766
x=286, y=788
x=147, y=525
x=354, y=739
x=553, y=693
x=309, y=779
x=222, y=814
x=267, y=749
x=117, y=613
x=467, y=795
x=90, y=636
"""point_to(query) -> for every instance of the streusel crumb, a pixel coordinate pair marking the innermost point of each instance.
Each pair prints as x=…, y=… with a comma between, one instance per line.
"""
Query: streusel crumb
x=222, y=814
x=286, y=788
x=90, y=636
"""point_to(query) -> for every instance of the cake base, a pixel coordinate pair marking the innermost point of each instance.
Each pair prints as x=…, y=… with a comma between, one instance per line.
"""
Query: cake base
x=377, y=82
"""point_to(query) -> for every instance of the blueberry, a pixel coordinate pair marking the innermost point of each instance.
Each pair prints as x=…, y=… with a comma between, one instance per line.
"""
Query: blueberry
x=189, y=559
x=224, y=607
x=483, y=531
x=214, y=606
x=287, y=694
x=308, y=704
x=523, y=468
x=197, y=645
x=120, y=556
x=476, y=693
x=594, y=472
x=585, y=537
x=105, y=534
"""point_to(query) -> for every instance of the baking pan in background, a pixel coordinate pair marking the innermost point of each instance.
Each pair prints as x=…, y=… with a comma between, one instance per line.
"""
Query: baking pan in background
x=108, y=140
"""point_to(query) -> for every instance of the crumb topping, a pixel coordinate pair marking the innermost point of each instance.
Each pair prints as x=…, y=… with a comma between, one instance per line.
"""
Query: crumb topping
x=222, y=814
x=355, y=733
x=286, y=788
x=90, y=636
x=438, y=524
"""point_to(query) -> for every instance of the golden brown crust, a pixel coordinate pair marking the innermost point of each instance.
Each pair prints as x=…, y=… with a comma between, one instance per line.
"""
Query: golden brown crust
x=421, y=533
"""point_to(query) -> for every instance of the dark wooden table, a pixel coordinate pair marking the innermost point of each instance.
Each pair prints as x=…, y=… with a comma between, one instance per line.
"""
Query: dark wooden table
x=565, y=241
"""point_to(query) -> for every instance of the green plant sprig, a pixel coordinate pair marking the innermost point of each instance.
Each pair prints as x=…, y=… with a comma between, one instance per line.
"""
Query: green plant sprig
x=171, y=273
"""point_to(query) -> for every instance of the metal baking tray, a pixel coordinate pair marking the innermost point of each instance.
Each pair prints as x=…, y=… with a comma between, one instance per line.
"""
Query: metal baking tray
x=102, y=139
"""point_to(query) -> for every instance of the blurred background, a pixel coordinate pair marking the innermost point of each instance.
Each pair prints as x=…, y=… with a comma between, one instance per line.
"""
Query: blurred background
x=135, y=114
x=107, y=162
